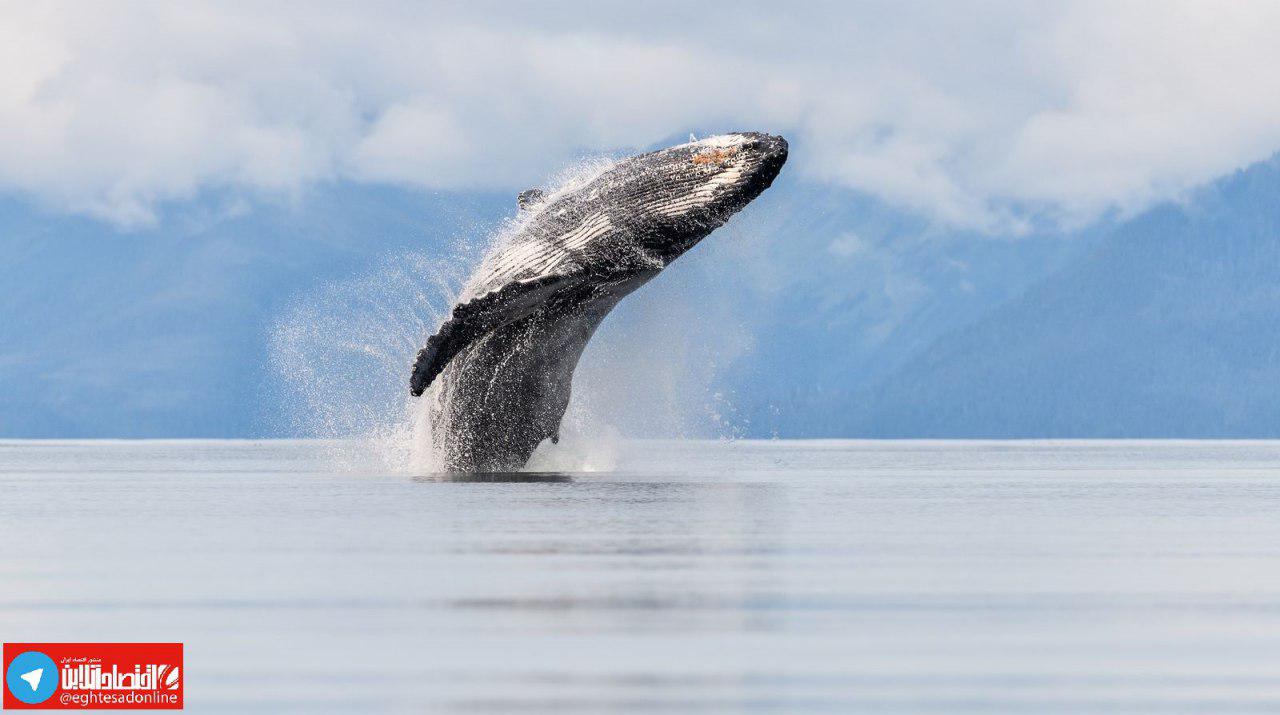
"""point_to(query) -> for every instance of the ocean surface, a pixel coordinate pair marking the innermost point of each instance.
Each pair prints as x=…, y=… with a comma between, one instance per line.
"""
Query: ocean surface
x=776, y=576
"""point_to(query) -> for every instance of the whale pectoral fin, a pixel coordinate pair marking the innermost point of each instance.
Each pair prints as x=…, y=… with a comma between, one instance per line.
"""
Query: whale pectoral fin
x=432, y=357
x=471, y=320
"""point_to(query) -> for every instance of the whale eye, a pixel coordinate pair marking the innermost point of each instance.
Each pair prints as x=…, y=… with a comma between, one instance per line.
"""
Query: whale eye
x=716, y=157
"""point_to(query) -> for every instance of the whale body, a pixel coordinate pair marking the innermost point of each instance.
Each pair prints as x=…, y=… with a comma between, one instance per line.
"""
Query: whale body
x=503, y=361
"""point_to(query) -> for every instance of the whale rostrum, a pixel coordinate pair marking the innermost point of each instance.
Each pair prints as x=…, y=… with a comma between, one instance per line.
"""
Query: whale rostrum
x=503, y=361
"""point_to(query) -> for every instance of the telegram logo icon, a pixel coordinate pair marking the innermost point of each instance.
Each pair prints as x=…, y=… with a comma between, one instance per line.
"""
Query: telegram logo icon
x=32, y=677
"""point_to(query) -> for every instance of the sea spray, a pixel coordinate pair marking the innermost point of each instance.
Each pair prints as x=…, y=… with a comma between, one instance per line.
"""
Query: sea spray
x=341, y=352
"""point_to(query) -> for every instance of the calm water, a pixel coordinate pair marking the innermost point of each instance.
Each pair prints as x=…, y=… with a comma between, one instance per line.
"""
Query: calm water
x=777, y=576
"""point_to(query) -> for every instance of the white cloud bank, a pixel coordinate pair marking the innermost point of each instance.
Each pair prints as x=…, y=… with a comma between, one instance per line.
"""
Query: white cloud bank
x=973, y=113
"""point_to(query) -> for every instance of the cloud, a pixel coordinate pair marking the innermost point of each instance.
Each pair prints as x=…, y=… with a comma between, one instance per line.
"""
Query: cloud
x=978, y=115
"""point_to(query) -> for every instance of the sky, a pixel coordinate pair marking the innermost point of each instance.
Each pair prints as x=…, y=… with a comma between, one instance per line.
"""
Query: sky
x=179, y=181
x=993, y=117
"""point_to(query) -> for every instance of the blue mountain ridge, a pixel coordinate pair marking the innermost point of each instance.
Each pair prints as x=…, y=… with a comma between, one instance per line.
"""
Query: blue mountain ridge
x=818, y=311
x=163, y=332
x=1167, y=329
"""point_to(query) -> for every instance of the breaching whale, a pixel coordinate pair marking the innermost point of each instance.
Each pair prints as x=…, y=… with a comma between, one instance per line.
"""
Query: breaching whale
x=505, y=357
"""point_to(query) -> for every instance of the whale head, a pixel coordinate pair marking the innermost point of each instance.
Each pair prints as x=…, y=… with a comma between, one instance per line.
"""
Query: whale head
x=638, y=214
x=676, y=196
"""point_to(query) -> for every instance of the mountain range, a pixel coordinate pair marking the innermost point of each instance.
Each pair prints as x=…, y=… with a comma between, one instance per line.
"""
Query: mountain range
x=817, y=312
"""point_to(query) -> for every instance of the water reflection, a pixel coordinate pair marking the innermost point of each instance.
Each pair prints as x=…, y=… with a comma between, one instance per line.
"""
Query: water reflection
x=1012, y=577
x=495, y=477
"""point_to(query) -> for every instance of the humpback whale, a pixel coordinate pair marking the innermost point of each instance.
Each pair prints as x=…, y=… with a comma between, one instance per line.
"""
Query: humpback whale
x=503, y=361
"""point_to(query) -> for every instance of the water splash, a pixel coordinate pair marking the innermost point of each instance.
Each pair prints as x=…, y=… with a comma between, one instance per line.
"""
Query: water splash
x=342, y=352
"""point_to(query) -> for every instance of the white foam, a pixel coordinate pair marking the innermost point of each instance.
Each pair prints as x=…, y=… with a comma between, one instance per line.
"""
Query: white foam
x=720, y=141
